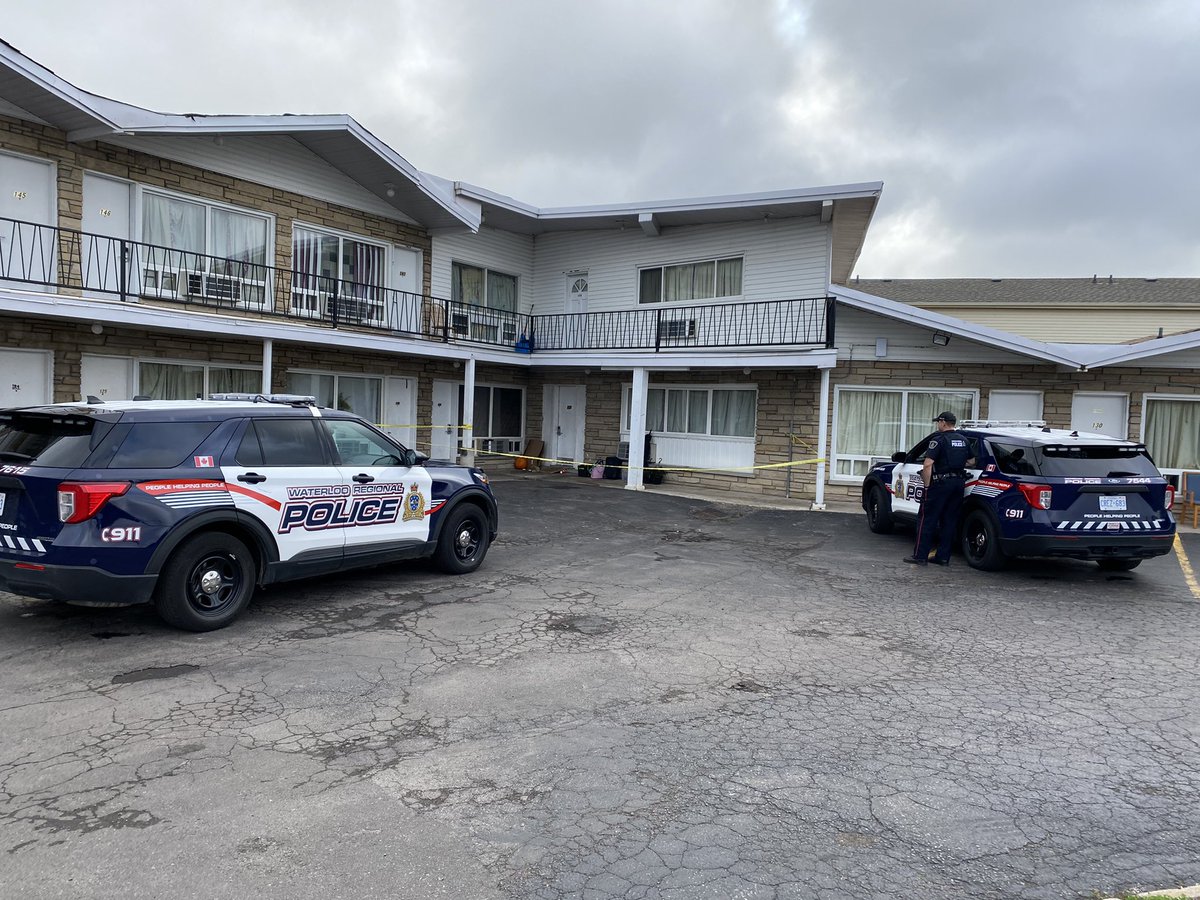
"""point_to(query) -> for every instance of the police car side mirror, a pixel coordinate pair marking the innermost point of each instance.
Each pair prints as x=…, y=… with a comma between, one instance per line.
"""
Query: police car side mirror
x=414, y=458
x=899, y=456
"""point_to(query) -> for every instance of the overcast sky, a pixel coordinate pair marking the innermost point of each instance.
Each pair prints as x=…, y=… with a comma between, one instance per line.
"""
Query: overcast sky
x=1013, y=137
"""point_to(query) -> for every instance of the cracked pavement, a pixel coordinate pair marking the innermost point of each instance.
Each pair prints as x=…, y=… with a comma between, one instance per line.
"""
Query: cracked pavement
x=638, y=696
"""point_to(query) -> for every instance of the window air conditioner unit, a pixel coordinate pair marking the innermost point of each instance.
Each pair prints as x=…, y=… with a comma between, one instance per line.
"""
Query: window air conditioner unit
x=677, y=329
x=623, y=449
x=212, y=287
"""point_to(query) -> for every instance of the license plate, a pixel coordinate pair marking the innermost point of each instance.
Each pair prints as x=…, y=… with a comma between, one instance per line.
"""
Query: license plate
x=1112, y=504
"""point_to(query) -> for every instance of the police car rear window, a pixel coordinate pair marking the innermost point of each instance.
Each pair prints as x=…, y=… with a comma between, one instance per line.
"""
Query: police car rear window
x=1094, y=461
x=160, y=445
x=55, y=441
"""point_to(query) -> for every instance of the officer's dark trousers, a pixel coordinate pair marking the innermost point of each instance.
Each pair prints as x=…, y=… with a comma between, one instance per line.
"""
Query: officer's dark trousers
x=939, y=517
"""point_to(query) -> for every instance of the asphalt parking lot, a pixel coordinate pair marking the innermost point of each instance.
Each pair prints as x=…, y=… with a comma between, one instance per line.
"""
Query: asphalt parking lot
x=638, y=696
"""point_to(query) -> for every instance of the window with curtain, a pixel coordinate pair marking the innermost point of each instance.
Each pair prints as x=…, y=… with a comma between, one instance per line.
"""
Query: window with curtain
x=483, y=287
x=704, y=280
x=327, y=264
x=874, y=422
x=723, y=412
x=187, y=381
x=196, y=236
x=1173, y=433
x=359, y=394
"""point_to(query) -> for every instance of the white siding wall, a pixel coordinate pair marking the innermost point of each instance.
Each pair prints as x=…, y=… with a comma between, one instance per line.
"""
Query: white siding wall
x=1181, y=359
x=511, y=254
x=274, y=160
x=858, y=330
x=1094, y=325
x=784, y=259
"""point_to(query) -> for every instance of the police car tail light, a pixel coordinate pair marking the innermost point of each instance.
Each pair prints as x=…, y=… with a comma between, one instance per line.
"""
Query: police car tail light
x=1170, y=496
x=1038, y=495
x=80, y=500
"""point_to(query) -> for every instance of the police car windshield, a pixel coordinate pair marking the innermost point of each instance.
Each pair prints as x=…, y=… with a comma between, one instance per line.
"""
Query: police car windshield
x=56, y=441
x=1094, y=461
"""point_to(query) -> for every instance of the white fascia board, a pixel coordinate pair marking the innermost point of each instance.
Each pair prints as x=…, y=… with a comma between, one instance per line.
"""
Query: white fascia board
x=728, y=201
x=713, y=359
x=915, y=315
x=1114, y=354
x=53, y=84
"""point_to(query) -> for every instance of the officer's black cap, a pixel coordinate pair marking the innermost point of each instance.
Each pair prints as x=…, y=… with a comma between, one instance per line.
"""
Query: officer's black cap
x=948, y=417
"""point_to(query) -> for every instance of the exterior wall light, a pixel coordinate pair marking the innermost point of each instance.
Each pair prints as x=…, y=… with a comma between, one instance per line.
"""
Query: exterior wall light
x=940, y=338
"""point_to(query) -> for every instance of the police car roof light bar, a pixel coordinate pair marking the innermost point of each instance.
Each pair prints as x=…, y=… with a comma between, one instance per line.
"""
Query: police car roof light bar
x=1003, y=423
x=288, y=399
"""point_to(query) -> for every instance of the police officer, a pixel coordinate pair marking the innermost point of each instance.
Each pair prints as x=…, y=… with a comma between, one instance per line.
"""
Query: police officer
x=945, y=475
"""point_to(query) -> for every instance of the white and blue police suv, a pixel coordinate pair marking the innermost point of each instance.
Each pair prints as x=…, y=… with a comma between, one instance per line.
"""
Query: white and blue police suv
x=1037, y=491
x=191, y=505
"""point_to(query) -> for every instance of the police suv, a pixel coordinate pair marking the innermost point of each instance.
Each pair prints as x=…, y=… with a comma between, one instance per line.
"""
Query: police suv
x=1036, y=491
x=192, y=504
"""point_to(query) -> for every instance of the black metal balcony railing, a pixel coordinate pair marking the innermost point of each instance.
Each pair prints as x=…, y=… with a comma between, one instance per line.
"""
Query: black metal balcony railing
x=46, y=256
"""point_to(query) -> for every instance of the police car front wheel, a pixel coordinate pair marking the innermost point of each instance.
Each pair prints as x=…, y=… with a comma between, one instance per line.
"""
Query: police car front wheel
x=879, y=510
x=463, y=542
x=206, y=583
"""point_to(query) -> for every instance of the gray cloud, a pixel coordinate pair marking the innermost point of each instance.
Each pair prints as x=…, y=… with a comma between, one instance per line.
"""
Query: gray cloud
x=1022, y=138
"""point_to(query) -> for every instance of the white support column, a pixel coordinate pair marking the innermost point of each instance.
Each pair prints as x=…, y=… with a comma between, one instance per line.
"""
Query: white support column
x=268, y=348
x=466, y=436
x=637, y=429
x=822, y=440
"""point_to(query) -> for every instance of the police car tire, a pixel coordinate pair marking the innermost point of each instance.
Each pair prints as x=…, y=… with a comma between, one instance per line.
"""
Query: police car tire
x=1118, y=565
x=181, y=599
x=463, y=542
x=981, y=542
x=879, y=511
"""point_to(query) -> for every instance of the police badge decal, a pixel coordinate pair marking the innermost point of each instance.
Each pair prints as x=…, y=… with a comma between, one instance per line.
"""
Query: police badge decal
x=414, y=505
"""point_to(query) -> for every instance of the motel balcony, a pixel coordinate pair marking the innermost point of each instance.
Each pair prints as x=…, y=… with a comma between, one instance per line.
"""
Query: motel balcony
x=96, y=267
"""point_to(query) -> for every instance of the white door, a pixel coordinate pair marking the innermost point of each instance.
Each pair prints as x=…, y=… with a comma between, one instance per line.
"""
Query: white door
x=407, y=266
x=577, y=307
x=565, y=412
x=444, y=442
x=24, y=378
x=1101, y=413
x=400, y=409
x=106, y=377
x=389, y=503
x=107, y=221
x=279, y=475
x=1015, y=406
x=27, y=245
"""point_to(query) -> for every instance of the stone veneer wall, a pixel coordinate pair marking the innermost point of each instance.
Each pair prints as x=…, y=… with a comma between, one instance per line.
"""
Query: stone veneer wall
x=786, y=406
x=68, y=341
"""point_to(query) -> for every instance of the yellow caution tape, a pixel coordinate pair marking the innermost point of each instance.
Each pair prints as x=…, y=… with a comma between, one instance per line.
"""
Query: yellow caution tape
x=390, y=425
x=568, y=462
